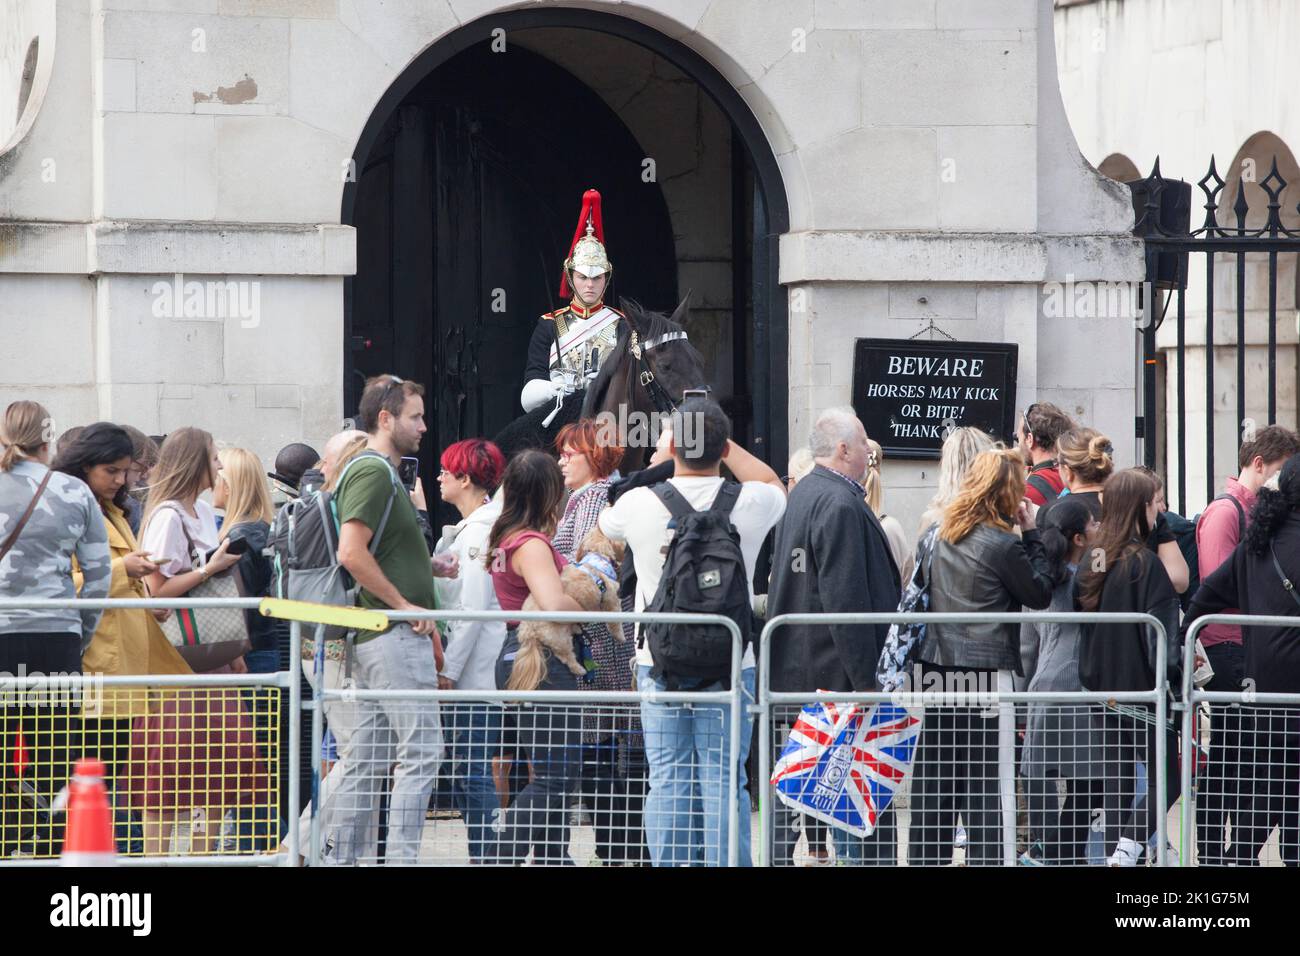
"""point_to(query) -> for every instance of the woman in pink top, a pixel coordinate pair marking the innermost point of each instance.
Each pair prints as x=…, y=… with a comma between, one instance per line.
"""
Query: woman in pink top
x=522, y=561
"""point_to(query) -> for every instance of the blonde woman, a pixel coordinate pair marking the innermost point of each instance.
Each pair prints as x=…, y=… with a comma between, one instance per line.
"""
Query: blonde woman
x=979, y=565
x=875, y=499
x=959, y=450
x=1083, y=456
x=242, y=492
x=332, y=465
x=198, y=756
x=177, y=522
x=801, y=462
x=814, y=831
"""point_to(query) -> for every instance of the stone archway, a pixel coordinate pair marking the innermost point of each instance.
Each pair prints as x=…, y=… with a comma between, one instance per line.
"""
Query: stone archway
x=748, y=323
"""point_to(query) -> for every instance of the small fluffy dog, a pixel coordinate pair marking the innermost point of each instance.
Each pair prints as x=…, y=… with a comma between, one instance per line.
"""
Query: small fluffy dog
x=593, y=582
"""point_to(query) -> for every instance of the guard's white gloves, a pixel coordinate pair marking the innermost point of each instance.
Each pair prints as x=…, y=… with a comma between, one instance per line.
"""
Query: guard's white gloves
x=539, y=392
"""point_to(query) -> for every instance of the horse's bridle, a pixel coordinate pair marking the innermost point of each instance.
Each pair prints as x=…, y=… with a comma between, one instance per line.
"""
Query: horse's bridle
x=663, y=402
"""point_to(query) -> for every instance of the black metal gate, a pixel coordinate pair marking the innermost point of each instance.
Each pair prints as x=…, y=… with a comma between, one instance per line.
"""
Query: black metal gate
x=1163, y=208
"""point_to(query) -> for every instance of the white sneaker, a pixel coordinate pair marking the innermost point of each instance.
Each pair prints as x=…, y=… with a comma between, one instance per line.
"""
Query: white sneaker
x=1171, y=855
x=1127, y=853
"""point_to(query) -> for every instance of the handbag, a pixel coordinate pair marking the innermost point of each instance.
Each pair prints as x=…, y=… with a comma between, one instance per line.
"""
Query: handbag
x=209, y=637
x=903, y=643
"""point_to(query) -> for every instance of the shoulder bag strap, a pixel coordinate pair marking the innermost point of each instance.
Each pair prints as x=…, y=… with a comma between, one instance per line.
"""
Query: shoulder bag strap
x=22, y=522
x=388, y=509
x=925, y=551
x=1042, y=484
x=1286, y=582
x=195, y=557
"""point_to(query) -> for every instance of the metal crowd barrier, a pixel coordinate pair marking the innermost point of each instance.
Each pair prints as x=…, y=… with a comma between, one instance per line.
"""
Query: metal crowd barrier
x=290, y=852
x=995, y=808
x=1242, y=784
x=185, y=749
x=545, y=725
x=611, y=713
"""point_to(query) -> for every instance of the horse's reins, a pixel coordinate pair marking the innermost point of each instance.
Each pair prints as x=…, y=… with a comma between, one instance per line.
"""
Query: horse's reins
x=663, y=402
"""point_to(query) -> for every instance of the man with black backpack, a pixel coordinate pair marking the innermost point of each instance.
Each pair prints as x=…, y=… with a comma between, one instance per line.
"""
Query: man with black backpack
x=1219, y=529
x=382, y=548
x=695, y=540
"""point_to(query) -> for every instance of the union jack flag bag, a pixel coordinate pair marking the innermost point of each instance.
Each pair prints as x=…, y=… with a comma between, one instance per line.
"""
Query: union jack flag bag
x=843, y=762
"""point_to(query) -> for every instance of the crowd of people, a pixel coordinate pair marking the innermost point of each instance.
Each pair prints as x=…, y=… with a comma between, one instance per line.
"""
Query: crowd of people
x=1051, y=523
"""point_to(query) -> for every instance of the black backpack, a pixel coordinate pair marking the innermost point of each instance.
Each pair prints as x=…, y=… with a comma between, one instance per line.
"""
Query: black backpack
x=704, y=573
x=304, y=539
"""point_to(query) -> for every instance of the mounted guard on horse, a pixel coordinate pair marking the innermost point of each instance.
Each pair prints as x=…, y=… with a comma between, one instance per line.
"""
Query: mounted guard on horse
x=588, y=357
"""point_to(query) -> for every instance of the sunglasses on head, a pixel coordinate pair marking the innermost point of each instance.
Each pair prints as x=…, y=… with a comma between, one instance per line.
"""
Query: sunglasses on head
x=1024, y=418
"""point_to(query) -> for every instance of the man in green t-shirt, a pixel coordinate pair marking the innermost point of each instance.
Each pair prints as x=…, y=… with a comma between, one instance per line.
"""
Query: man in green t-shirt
x=397, y=575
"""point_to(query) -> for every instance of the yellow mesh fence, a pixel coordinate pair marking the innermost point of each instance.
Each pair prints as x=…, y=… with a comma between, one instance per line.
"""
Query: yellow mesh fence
x=188, y=770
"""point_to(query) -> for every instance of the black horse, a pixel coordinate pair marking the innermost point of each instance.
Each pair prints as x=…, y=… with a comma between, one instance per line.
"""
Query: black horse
x=630, y=388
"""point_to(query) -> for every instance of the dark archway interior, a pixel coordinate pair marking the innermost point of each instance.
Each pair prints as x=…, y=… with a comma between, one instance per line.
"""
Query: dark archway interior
x=465, y=210
x=469, y=178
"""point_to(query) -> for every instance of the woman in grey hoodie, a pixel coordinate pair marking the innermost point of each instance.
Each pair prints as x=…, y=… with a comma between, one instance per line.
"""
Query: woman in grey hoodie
x=1058, y=753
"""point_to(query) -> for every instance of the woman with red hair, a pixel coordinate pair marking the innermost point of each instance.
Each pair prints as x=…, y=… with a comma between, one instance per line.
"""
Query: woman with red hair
x=611, y=785
x=471, y=472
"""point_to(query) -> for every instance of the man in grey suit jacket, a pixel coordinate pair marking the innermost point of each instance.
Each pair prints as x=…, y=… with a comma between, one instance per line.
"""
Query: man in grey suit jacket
x=831, y=555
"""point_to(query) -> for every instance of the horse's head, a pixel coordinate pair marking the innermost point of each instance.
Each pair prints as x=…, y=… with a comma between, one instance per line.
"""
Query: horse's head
x=674, y=362
x=669, y=356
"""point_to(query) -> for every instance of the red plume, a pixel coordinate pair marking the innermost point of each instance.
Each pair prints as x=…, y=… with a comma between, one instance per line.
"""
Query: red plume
x=590, y=206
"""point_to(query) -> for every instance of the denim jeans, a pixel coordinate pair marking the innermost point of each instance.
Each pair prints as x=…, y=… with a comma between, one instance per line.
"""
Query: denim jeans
x=401, y=734
x=477, y=738
x=687, y=749
x=259, y=827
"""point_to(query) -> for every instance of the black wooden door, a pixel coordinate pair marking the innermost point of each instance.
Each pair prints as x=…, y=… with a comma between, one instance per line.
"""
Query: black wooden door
x=465, y=213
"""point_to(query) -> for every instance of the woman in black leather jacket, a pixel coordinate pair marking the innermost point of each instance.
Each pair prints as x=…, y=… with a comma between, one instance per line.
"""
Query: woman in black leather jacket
x=979, y=565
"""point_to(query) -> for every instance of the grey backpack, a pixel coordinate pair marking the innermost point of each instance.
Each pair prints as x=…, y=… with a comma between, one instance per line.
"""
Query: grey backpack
x=305, y=539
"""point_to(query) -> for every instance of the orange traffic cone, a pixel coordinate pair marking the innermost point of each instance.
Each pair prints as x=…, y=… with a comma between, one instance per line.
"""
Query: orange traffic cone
x=88, y=839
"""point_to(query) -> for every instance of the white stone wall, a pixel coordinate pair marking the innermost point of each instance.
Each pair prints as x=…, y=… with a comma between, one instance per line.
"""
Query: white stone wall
x=924, y=150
